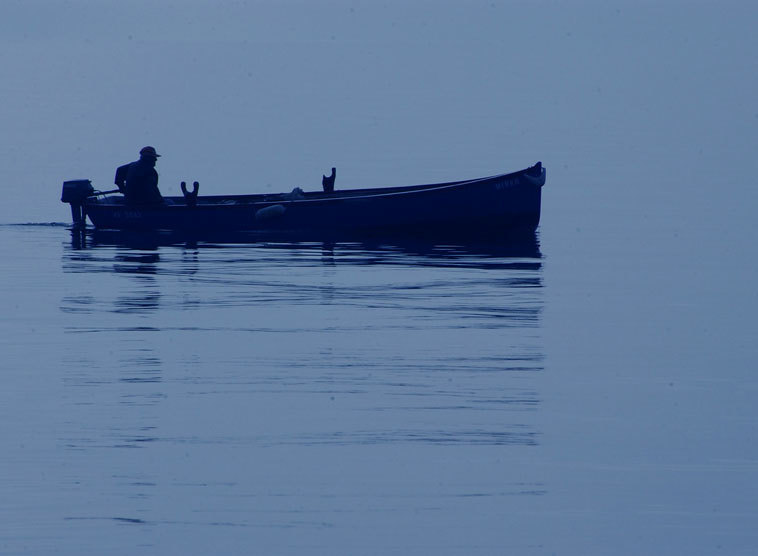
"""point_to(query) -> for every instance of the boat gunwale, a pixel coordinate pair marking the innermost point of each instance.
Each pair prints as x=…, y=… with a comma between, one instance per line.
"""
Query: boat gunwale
x=210, y=201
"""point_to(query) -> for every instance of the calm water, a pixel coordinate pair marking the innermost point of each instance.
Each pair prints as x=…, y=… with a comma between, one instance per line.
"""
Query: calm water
x=591, y=392
x=268, y=397
x=368, y=399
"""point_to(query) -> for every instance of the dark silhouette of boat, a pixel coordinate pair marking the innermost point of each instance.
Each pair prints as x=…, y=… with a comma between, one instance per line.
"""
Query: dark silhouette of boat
x=479, y=207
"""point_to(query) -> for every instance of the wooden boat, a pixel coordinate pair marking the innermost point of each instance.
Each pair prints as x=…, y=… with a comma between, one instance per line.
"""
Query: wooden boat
x=505, y=202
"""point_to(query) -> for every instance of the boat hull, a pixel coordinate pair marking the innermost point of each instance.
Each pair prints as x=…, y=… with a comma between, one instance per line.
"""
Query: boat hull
x=481, y=206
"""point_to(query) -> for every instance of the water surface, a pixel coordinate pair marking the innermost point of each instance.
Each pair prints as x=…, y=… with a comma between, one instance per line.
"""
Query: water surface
x=240, y=393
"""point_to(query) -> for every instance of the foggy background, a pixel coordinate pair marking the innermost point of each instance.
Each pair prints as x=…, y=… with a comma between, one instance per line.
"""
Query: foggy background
x=646, y=117
x=266, y=96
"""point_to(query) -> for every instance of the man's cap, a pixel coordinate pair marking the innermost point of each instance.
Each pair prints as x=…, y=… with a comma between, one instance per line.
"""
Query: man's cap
x=149, y=151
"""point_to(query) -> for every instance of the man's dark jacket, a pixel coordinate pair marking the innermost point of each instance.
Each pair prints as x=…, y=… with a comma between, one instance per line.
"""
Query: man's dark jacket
x=138, y=181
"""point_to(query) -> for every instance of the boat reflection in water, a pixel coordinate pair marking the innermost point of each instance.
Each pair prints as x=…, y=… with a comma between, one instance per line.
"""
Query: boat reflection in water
x=434, y=251
x=419, y=362
x=268, y=263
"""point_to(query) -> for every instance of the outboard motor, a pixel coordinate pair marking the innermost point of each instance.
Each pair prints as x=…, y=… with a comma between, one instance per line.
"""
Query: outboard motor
x=74, y=193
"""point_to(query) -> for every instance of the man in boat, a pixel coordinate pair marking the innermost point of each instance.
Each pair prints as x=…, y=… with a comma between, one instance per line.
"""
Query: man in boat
x=138, y=180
